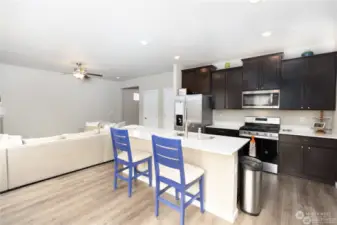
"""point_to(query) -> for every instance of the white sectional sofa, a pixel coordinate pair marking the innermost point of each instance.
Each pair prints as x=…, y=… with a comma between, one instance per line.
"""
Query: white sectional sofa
x=44, y=158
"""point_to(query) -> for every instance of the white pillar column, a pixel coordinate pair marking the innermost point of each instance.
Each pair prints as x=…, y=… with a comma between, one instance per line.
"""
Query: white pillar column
x=176, y=78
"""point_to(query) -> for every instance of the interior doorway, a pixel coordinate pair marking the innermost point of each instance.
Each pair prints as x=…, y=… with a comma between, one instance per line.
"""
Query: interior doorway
x=130, y=111
x=150, y=105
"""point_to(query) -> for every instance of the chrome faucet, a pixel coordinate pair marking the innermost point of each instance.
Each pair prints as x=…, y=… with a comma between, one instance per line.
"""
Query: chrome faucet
x=186, y=121
x=186, y=128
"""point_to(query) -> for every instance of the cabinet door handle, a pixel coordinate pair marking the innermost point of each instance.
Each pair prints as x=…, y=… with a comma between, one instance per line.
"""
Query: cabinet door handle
x=301, y=107
x=309, y=148
x=301, y=146
x=308, y=107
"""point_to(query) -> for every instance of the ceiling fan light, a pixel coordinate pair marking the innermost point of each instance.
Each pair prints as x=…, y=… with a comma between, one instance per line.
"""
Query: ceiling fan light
x=78, y=75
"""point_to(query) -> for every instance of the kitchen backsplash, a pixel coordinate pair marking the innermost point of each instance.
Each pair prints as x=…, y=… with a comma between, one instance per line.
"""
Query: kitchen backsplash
x=288, y=117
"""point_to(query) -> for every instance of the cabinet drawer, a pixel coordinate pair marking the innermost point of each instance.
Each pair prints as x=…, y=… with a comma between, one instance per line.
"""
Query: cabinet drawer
x=290, y=139
x=322, y=142
x=310, y=141
x=222, y=132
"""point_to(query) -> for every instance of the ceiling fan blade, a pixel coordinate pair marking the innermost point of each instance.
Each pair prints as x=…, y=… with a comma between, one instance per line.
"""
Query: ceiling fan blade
x=94, y=74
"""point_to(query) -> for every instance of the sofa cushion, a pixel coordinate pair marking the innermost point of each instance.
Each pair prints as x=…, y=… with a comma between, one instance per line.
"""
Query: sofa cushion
x=92, y=124
x=8, y=141
x=42, y=140
x=109, y=125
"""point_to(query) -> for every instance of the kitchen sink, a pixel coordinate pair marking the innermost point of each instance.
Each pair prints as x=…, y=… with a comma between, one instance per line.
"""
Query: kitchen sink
x=193, y=136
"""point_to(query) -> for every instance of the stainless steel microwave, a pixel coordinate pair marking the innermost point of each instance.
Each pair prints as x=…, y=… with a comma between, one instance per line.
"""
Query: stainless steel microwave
x=269, y=99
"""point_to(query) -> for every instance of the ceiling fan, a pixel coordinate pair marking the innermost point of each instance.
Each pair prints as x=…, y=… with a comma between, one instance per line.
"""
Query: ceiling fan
x=81, y=73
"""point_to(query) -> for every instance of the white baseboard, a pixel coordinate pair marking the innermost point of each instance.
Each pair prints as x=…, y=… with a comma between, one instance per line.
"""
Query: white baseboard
x=229, y=218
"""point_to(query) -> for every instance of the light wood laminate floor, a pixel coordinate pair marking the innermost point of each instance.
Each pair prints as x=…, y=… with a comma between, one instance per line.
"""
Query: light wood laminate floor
x=86, y=198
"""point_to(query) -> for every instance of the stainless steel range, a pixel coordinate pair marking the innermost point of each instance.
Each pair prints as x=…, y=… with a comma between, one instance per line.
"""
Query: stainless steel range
x=266, y=133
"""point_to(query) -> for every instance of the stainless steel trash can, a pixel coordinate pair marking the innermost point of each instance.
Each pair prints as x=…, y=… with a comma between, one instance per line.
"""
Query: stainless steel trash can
x=251, y=184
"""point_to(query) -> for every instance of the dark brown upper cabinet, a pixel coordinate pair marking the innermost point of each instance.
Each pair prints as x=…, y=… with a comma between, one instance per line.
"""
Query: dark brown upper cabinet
x=309, y=83
x=234, y=88
x=293, y=73
x=262, y=73
x=219, y=89
x=198, y=80
x=251, y=75
x=227, y=88
x=320, y=83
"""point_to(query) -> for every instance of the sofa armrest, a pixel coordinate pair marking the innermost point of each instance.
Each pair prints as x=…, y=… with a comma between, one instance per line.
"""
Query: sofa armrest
x=3, y=170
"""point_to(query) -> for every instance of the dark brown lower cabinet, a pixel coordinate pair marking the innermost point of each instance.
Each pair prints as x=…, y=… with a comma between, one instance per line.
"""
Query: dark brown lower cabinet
x=310, y=158
x=222, y=132
x=291, y=159
x=319, y=163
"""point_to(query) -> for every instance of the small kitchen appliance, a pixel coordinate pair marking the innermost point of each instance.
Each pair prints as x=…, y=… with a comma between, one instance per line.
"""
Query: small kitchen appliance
x=269, y=99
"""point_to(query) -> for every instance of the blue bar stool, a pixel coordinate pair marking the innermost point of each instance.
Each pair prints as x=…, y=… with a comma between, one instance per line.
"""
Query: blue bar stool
x=171, y=170
x=130, y=161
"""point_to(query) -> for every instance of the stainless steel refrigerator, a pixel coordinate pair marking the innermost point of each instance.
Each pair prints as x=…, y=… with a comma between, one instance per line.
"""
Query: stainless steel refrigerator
x=2, y=112
x=196, y=109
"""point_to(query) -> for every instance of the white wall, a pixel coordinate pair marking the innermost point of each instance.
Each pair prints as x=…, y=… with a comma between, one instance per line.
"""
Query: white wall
x=42, y=103
x=288, y=53
x=158, y=81
x=177, y=77
x=288, y=117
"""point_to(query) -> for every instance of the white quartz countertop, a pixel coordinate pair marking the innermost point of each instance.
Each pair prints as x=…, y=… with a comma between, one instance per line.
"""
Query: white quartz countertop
x=218, y=144
x=230, y=126
x=305, y=131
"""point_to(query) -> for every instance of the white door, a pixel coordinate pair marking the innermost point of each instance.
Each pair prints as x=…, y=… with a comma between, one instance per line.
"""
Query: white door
x=168, y=108
x=150, y=108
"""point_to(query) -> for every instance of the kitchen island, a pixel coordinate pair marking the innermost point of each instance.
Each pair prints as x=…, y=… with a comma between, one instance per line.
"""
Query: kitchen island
x=217, y=155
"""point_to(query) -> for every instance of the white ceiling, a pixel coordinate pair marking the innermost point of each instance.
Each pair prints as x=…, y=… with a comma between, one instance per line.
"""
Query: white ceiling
x=106, y=34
